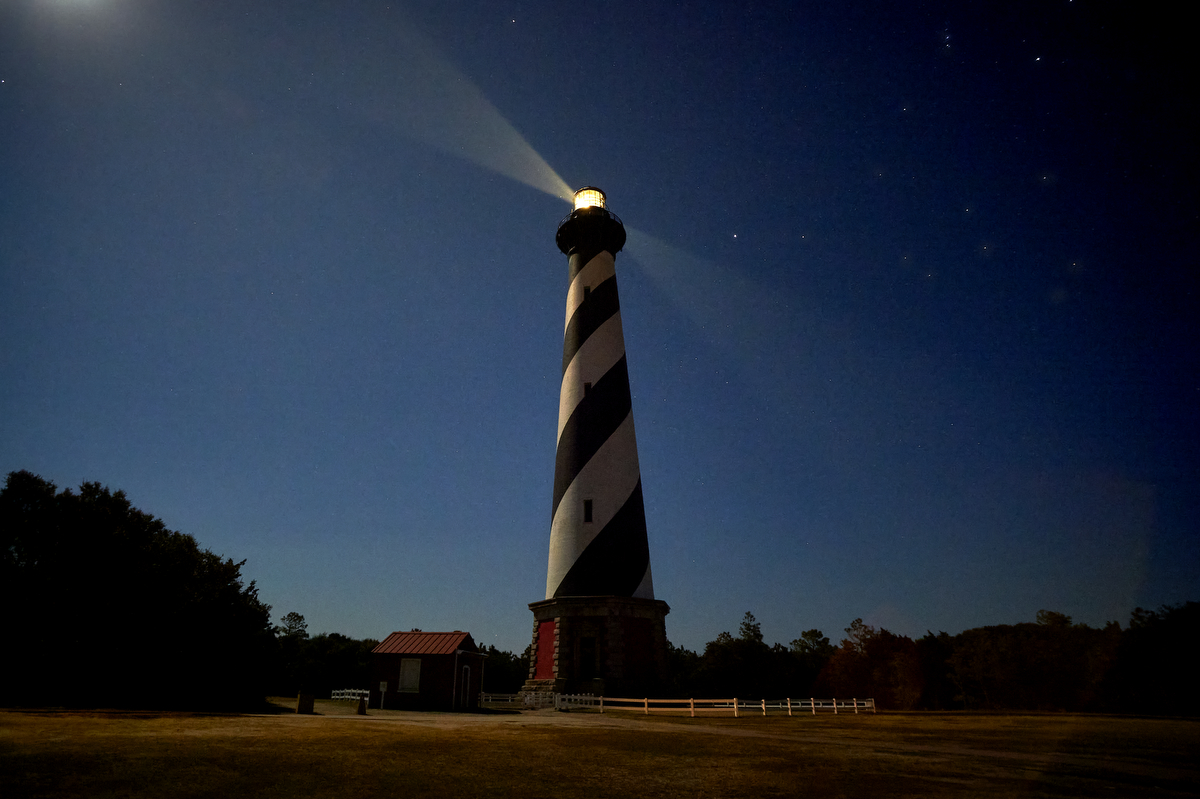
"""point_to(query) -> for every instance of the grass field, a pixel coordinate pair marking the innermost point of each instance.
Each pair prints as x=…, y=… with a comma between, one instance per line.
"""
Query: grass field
x=551, y=754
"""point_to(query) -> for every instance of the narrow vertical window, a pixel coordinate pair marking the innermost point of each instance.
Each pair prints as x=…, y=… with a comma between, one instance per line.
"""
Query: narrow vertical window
x=587, y=292
x=587, y=387
x=587, y=510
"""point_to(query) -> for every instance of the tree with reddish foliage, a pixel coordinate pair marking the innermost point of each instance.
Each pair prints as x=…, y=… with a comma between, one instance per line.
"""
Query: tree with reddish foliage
x=875, y=664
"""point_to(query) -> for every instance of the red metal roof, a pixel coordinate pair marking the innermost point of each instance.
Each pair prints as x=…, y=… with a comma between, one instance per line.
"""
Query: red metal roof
x=425, y=643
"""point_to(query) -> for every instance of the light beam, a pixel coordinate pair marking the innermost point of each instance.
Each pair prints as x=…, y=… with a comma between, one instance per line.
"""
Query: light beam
x=732, y=311
x=428, y=99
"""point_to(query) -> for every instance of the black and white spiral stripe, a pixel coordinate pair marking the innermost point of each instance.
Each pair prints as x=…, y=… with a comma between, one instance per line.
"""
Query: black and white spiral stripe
x=596, y=465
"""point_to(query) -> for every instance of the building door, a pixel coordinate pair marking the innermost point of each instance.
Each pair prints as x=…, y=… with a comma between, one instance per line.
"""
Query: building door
x=464, y=700
x=587, y=658
x=545, y=651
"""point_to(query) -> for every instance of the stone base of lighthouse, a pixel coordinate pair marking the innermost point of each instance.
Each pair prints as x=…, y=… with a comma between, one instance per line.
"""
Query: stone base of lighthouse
x=604, y=645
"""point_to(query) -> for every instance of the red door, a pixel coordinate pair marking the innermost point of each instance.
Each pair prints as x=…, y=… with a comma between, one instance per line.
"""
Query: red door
x=545, y=651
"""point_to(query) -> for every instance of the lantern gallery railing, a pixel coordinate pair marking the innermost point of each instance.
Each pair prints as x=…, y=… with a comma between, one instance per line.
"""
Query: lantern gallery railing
x=351, y=694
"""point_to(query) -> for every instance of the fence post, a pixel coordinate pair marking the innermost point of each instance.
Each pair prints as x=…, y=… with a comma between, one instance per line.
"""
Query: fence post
x=813, y=704
x=764, y=705
x=789, y=701
x=692, y=707
x=856, y=706
x=735, y=708
x=835, y=706
x=601, y=703
x=646, y=704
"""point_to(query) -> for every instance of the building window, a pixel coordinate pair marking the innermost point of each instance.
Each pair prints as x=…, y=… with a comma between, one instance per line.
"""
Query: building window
x=587, y=387
x=587, y=510
x=587, y=292
x=410, y=676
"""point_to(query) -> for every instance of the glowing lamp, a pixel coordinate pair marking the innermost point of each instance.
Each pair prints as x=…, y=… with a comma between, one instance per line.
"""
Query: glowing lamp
x=589, y=197
x=590, y=226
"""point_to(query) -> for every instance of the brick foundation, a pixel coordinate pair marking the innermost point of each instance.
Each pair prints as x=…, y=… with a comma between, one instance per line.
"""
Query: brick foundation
x=601, y=645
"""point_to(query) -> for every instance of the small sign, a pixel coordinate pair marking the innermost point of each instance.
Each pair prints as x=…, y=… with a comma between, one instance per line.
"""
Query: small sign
x=383, y=687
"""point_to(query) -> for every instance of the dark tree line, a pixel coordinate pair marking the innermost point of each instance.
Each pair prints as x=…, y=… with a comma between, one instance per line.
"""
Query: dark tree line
x=504, y=672
x=105, y=606
x=331, y=661
x=746, y=666
x=318, y=664
x=1050, y=664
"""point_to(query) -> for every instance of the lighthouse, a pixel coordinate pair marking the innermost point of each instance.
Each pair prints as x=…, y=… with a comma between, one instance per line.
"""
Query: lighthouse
x=599, y=629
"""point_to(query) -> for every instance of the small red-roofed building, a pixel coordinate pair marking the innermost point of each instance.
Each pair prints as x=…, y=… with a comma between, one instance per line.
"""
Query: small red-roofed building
x=426, y=671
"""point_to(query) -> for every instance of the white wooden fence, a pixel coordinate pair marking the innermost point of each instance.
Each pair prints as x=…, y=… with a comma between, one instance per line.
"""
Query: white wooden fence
x=487, y=698
x=736, y=707
x=351, y=694
x=559, y=701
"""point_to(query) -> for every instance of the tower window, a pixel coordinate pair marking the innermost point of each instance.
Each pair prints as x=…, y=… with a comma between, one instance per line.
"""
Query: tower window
x=587, y=511
x=587, y=292
x=587, y=387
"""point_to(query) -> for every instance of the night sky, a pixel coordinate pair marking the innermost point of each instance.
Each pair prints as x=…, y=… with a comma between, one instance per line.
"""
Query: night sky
x=909, y=297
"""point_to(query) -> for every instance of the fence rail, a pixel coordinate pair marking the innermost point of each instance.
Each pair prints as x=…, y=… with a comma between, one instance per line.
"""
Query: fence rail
x=560, y=701
x=647, y=705
x=489, y=698
x=734, y=706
